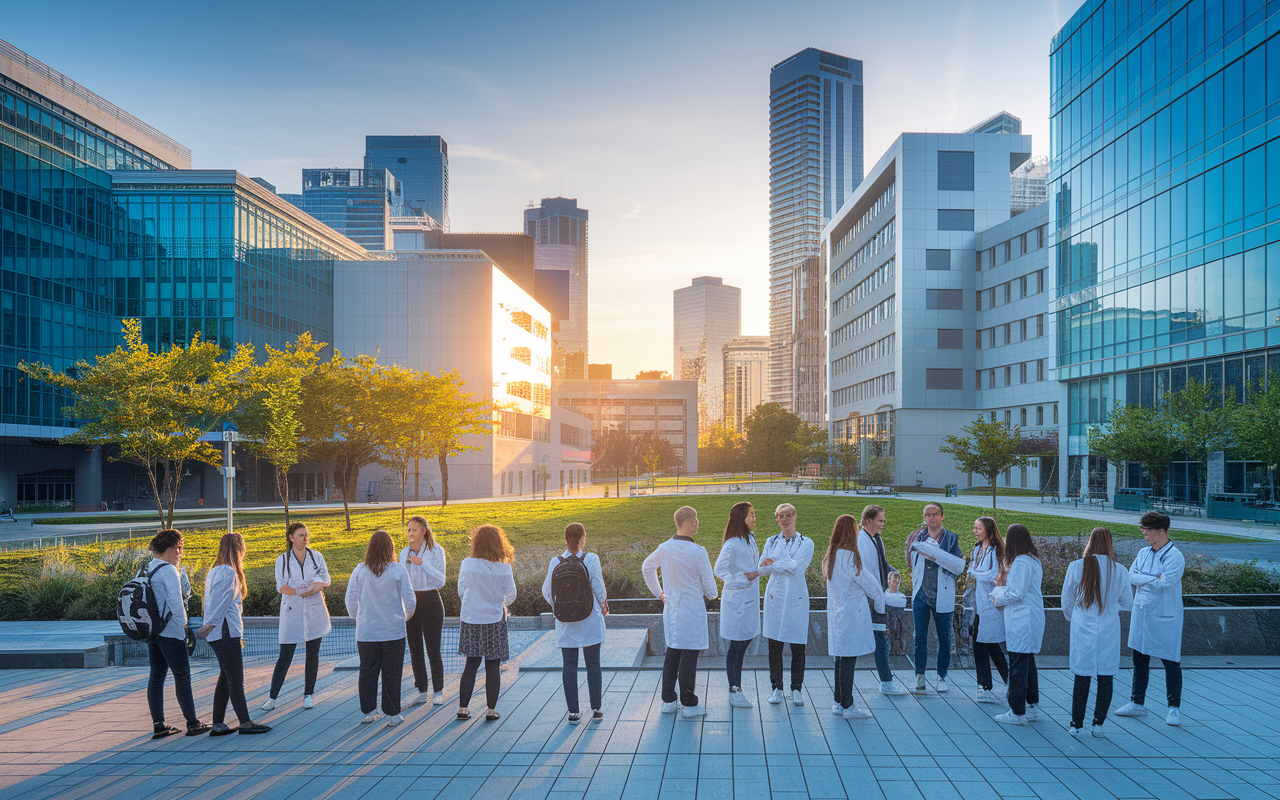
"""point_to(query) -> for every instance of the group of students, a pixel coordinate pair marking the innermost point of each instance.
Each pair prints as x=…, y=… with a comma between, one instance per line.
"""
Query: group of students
x=396, y=601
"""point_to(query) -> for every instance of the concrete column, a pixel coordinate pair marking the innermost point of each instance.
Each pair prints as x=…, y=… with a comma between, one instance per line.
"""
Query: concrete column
x=88, y=468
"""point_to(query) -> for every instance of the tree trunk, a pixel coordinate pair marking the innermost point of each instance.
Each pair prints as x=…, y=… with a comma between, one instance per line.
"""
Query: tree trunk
x=415, y=480
x=155, y=492
x=404, y=479
x=444, y=477
x=993, y=492
x=617, y=491
x=346, y=494
x=282, y=480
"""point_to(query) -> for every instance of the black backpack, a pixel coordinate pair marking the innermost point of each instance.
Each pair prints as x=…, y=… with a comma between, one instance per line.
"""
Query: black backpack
x=137, y=608
x=571, y=596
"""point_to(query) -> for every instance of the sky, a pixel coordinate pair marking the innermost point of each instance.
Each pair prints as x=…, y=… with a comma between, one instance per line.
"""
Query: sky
x=654, y=116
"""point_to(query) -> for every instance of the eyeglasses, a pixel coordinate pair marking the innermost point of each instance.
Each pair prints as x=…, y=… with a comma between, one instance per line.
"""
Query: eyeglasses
x=784, y=515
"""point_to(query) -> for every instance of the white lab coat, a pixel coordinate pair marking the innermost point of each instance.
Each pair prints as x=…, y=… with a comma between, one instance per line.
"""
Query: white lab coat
x=302, y=619
x=871, y=560
x=1023, y=605
x=740, y=600
x=1155, y=628
x=984, y=568
x=849, y=631
x=222, y=603
x=1095, y=631
x=380, y=604
x=925, y=549
x=786, y=597
x=584, y=632
x=686, y=579
x=430, y=573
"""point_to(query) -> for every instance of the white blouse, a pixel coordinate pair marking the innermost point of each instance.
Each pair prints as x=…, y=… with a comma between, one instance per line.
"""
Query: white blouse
x=380, y=604
x=222, y=602
x=430, y=573
x=486, y=589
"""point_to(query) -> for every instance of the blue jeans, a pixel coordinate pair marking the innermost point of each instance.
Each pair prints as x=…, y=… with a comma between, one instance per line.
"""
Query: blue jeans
x=569, y=675
x=920, y=611
x=882, y=656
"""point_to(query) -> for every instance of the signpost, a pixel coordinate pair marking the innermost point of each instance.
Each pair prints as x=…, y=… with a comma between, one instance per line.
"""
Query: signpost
x=229, y=431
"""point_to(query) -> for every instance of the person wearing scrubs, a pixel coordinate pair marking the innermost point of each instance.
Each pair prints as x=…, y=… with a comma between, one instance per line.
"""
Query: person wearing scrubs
x=853, y=592
x=738, y=566
x=301, y=578
x=871, y=547
x=1018, y=594
x=785, y=560
x=934, y=555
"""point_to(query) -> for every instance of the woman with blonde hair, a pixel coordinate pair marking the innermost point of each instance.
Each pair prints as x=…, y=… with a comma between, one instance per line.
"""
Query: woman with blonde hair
x=380, y=599
x=986, y=564
x=224, y=593
x=849, y=630
x=1094, y=592
x=486, y=586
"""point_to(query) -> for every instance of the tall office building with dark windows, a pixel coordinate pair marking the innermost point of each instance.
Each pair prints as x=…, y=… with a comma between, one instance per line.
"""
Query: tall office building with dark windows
x=1165, y=181
x=420, y=164
x=815, y=163
x=559, y=230
x=357, y=203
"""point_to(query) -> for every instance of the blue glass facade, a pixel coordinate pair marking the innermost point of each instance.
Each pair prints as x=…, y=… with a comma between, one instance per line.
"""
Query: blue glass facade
x=1166, y=193
x=354, y=202
x=420, y=164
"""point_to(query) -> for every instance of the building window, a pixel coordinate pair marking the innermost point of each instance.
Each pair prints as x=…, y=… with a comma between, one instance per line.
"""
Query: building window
x=1022, y=371
x=1022, y=285
x=1039, y=415
x=944, y=299
x=1039, y=281
x=1008, y=252
x=978, y=383
x=944, y=379
x=1022, y=414
x=978, y=339
x=1008, y=292
x=1039, y=325
x=1008, y=333
x=991, y=379
x=992, y=297
x=1022, y=325
x=977, y=258
x=991, y=337
x=955, y=171
x=1040, y=236
x=937, y=260
x=1008, y=418
x=955, y=219
x=1008, y=376
x=979, y=299
x=1023, y=241
x=950, y=339
x=1055, y=413
x=1040, y=377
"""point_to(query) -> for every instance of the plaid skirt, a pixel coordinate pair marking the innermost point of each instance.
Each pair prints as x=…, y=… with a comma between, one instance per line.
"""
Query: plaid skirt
x=484, y=641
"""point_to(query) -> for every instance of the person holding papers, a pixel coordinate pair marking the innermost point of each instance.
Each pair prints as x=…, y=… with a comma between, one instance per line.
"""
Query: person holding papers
x=934, y=555
x=424, y=560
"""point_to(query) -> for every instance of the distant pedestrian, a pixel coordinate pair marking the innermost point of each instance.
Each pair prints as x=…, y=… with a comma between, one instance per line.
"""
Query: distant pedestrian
x=574, y=587
x=167, y=647
x=1155, y=627
x=424, y=559
x=224, y=593
x=301, y=578
x=1018, y=594
x=849, y=588
x=933, y=553
x=486, y=586
x=871, y=548
x=786, y=559
x=738, y=566
x=987, y=564
x=686, y=580
x=380, y=599
x=1094, y=592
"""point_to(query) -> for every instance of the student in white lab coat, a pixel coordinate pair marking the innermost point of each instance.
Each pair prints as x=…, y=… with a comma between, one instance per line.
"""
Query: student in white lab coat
x=871, y=548
x=985, y=566
x=1094, y=592
x=686, y=580
x=301, y=578
x=1018, y=594
x=1155, y=627
x=933, y=553
x=853, y=592
x=738, y=566
x=785, y=559
x=424, y=560
x=585, y=634
x=380, y=598
x=224, y=593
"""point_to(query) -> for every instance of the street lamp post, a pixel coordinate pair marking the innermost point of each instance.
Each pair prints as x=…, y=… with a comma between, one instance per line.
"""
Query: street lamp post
x=229, y=472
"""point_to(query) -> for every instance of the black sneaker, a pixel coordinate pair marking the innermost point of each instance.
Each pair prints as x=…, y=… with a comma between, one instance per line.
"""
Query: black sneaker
x=253, y=727
x=197, y=728
x=220, y=729
x=161, y=730
x=597, y=713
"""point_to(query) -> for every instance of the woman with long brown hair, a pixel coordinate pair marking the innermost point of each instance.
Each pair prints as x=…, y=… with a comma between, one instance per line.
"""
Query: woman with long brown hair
x=849, y=631
x=425, y=559
x=301, y=578
x=380, y=599
x=1018, y=594
x=1094, y=592
x=224, y=593
x=985, y=565
x=486, y=586
x=738, y=566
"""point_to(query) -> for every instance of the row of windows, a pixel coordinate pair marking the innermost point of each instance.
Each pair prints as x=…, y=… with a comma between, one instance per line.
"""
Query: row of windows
x=523, y=319
x=944, y=299
x=516, y=425
x=880, y=312
x=1028, y=328
x=882, y=202
x=539, y=393
x=1023, y=419
x=1011, y=248
x=866, y=286
x=876, y=387
x=955, y=219
x=1027, y=285
x=877, y=242
x=864, y=355
x=1026, y=372
x=574, y=436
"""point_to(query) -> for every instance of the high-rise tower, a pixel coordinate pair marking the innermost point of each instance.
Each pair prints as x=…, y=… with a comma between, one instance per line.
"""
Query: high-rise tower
x=559, y=231
x=420, y=164
x=707, y=315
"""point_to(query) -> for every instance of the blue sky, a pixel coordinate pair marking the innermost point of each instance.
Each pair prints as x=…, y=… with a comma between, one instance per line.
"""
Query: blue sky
x=655, y=116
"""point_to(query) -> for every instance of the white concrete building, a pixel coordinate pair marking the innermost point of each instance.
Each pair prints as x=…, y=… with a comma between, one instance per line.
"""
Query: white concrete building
x=669, y=408
x=705, y=316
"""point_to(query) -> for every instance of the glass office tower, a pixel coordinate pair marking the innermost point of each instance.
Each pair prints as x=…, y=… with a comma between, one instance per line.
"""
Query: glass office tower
x=420, y=164
x=559, y=230
x=357, y=203
x=1165, y=187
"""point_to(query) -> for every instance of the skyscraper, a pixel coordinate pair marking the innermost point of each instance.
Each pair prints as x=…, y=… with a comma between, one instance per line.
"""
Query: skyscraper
x=746, y=372
x=559, y=231
x=420, y=164
x=815, y=163
x=354, y=202
x=707, y=314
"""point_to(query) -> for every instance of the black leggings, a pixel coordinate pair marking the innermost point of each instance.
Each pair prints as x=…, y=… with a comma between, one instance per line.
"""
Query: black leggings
x=310, y=669
x=230, y=680
x=984, y=653
x=843, y=682
x=426, y=625
x=1080, y=699
x=492, y=681
x=733, y=662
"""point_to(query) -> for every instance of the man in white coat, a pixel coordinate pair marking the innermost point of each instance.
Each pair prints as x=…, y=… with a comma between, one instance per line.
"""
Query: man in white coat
x=871, y=548
x=686, y=579
x=785, y=560
x=1155, y=627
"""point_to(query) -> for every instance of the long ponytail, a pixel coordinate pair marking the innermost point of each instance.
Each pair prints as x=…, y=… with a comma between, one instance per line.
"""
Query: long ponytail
x=1091, y=586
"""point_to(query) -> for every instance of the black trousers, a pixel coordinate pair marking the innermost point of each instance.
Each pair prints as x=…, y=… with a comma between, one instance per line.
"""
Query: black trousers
x=1142, y=675
x=1080, y=699
x=492, y=681
x=385, y=659
x=681, y=665
x=775, y=665
x=1024, y=682
x=426, y=625
x=844, y=680
x=230, y=680
x=983, y=654
x=311, y=667
x=569, y=674
x=733, y=662
x=169, y=655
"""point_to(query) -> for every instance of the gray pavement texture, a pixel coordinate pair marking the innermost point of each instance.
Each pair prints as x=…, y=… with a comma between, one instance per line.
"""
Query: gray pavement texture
x=71, y=735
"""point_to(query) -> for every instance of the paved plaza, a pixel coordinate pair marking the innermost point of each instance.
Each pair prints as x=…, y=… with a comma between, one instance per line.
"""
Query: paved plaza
x=85, y=734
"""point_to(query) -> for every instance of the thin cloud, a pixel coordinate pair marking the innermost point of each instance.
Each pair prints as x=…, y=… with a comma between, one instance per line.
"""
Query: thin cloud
x=636, y=212
x=525, y=169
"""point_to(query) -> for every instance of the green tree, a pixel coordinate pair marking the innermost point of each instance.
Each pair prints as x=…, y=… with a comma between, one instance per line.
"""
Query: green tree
x=612, y=450
x=723, y=450
x=1258, y=429
x=1201, y=421
x=1136, y=433
x=452, y=415
x=844, y=462
x=404, y=399
x=772, y=436
x=652, y=452
x=879, y=471
x=153, y=407
x=989, y=448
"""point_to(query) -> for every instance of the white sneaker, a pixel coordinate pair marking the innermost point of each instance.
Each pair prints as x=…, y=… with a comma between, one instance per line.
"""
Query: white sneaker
x=695, y=711
x=857, y=711
x=269, y=704
x=1098, y=732
x=987, y=696
x=1010, y=718
x=421, y=698
x=920, y=687
x=670, y=708
x=893, y=687
x=437, y=699
x=942, y=684
x=1131, y=710
x=1174, y=717
x=396, y=720
x=374, y=717
x=797, y=697
x=1074, y=731
x=308, y=702
x=775, y=696
x=836, y=708
x=738, y=700
x=1033, y=711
